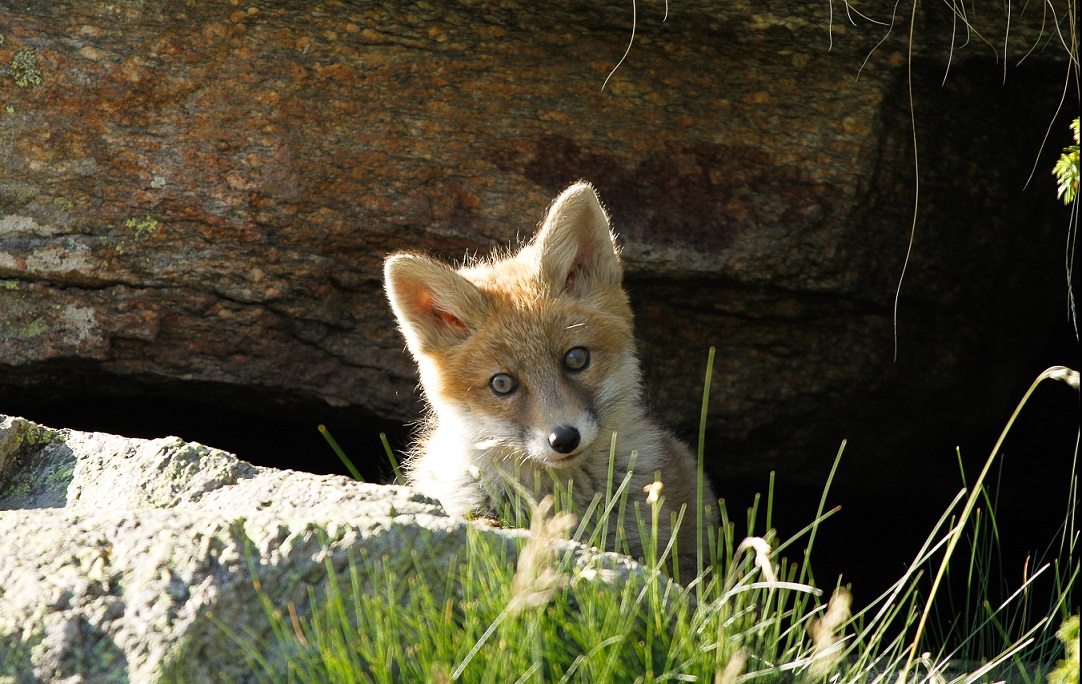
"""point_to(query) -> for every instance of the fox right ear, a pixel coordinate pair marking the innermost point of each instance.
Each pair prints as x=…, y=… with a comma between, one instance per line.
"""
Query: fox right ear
x=576, y=252
x=435, y=306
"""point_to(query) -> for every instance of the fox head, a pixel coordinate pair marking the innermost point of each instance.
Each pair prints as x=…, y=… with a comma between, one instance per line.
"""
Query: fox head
x=530, y=356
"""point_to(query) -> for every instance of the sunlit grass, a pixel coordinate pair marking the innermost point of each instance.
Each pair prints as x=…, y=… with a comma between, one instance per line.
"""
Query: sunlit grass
x=544, y=615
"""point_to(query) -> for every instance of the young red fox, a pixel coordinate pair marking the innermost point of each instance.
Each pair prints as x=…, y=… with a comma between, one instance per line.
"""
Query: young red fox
x=528, y=364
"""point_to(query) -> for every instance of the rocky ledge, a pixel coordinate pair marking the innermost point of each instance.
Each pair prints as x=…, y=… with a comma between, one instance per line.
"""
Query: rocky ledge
x=121, y=559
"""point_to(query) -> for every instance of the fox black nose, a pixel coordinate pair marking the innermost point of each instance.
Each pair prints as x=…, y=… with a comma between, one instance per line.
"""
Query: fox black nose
x=564, y=440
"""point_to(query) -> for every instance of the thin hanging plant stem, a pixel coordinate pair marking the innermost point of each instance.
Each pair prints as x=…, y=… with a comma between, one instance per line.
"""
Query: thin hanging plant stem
x=627, y=51
x=916, y=175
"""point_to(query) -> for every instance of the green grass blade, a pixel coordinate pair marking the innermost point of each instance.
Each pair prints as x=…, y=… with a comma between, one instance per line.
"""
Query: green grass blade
x=1055, y=372
x=399, y=478
x=700, y=463
x=341, y=454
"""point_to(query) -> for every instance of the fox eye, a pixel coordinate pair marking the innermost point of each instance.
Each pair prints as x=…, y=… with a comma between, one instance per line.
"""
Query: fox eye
x=503, y=384
x=577, y=358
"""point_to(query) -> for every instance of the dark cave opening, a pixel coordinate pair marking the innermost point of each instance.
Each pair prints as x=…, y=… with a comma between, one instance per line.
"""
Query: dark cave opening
x=262, y=427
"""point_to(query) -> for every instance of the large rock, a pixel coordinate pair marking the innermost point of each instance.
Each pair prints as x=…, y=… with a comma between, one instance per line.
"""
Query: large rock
x=115, y=553
x=196, y=199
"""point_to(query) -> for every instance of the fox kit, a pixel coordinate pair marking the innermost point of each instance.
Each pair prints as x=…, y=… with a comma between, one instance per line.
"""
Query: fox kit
x=528, y=365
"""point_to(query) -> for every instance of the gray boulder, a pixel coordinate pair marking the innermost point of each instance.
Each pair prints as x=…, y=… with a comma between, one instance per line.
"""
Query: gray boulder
x=121, y=559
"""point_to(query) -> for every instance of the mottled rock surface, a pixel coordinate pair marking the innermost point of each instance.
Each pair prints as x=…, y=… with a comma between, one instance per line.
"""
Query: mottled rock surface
x=115, y=553
x=204, y=193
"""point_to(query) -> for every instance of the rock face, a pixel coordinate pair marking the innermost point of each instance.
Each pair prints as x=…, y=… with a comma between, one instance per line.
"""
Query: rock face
x=114, y=553
x=201, y=196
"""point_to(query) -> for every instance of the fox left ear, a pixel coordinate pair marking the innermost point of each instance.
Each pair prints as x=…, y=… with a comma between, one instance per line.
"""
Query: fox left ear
x=575, y=251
